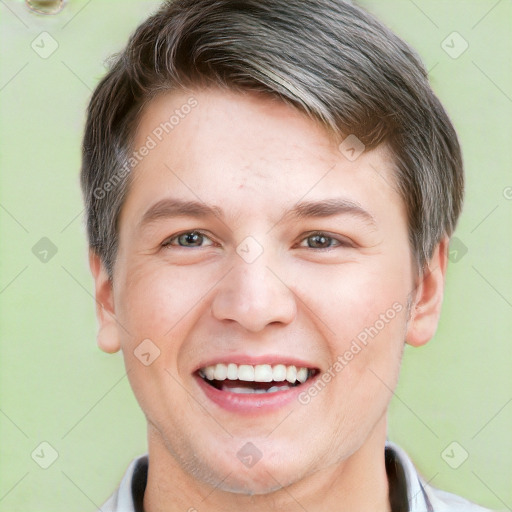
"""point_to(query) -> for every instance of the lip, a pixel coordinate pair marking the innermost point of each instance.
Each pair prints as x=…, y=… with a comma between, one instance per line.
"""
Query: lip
x=257, y=403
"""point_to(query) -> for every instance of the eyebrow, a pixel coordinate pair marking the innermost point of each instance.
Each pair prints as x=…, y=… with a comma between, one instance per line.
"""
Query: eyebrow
x=169, y=207
x=330, y=208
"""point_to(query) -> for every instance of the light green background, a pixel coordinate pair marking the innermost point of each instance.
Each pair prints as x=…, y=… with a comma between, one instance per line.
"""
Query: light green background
x=56, y=386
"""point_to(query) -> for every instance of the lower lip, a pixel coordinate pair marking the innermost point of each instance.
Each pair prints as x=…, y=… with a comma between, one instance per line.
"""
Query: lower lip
x=251, y=402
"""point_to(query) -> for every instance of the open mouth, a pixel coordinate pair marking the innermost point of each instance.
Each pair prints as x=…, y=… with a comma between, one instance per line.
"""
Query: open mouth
x=260, y=378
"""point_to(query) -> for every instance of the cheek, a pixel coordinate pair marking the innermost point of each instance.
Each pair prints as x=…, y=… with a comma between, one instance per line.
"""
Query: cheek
x=158, y=300
x=156, y=309
x=349, y=299
x=362, y=314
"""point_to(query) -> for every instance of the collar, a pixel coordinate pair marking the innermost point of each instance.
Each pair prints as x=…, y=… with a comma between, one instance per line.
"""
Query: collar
x=408, y=492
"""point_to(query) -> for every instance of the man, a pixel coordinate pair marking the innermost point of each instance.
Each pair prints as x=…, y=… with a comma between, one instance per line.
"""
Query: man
x=270, y=190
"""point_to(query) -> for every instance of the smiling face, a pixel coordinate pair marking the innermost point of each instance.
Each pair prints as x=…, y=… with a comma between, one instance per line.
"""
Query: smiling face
x=272, y=274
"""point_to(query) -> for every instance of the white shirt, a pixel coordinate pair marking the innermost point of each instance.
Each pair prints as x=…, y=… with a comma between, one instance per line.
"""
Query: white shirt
x=420, y=496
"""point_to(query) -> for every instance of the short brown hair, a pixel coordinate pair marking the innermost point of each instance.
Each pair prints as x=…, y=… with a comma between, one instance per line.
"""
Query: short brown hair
x=327, y=58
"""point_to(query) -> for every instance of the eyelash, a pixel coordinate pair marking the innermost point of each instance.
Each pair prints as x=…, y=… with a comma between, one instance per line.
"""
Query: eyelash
x=339, y=242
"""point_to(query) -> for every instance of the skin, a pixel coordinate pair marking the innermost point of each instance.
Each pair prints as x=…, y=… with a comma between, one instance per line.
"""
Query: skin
x=256, y=158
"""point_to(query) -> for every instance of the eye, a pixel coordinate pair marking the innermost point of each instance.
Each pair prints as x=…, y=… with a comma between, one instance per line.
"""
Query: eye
x=188, y=239
x=321, y=240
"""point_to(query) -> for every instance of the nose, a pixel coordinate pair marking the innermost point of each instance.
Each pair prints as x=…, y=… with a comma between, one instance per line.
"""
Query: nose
x=254, y=296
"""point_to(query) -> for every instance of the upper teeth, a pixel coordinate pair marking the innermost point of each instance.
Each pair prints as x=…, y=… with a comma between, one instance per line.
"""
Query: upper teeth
x=256, y=373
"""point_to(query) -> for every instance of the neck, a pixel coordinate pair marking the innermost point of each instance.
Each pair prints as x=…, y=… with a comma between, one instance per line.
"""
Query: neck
x=357, y=484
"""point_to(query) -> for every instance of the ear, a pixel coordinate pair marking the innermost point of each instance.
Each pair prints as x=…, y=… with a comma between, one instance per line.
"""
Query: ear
x=427, y=298
x=108, y=335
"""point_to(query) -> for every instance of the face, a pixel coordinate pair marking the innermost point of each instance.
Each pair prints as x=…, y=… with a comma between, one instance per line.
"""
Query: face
x=266, y=274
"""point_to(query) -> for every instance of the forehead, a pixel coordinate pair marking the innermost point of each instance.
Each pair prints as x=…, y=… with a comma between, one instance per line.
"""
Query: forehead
x=207, y=144
x=243, y=120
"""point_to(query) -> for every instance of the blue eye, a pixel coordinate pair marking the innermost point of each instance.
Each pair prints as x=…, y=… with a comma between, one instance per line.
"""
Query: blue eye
x=188, y=239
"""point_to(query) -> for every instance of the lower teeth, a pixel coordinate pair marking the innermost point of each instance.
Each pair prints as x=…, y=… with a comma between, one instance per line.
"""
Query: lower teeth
x=241, y=390
x=273, y=389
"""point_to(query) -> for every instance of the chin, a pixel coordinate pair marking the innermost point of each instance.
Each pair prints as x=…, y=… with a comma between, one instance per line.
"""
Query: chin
x=264, y=477
x=252, y=484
